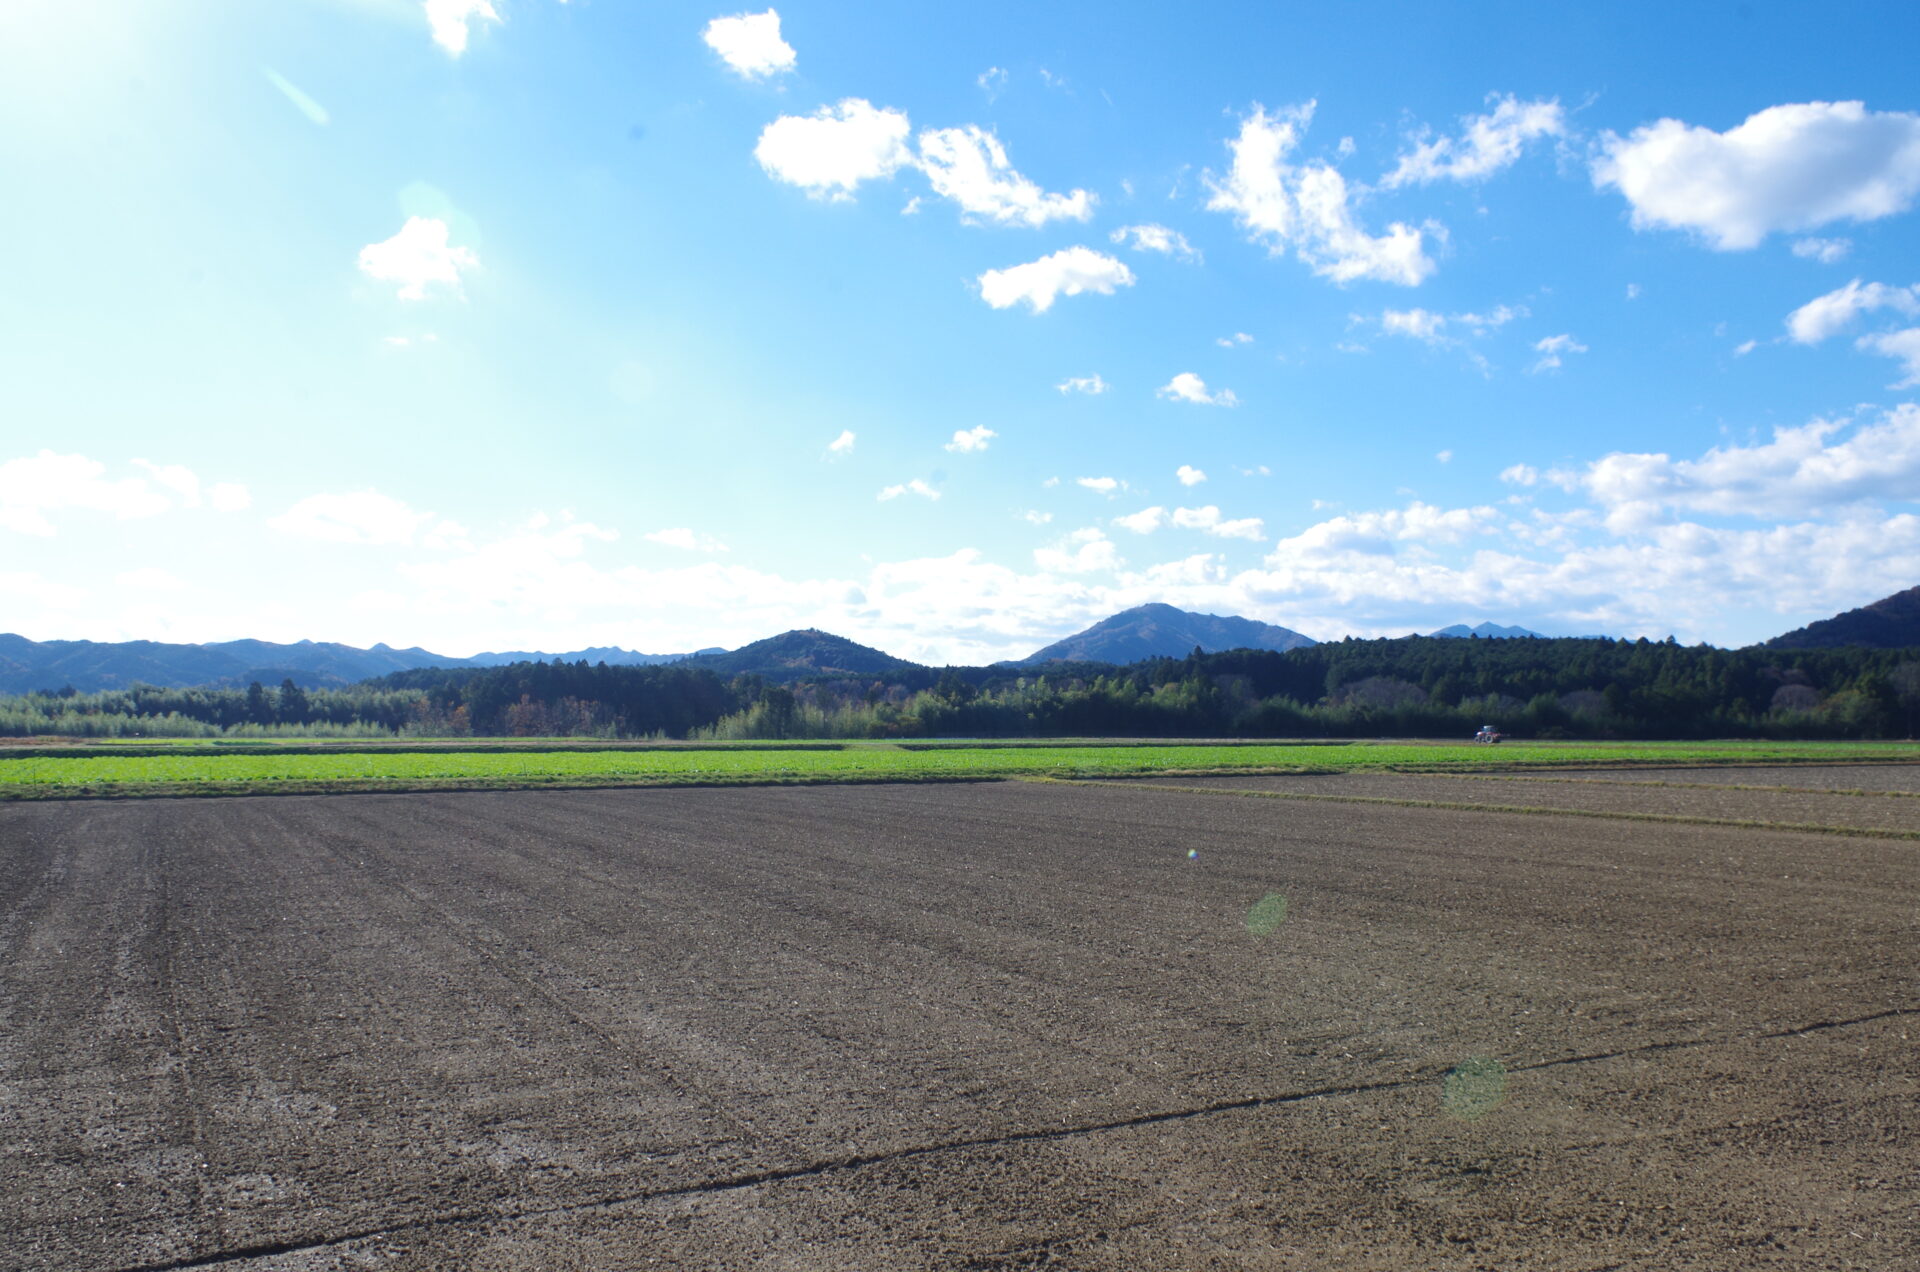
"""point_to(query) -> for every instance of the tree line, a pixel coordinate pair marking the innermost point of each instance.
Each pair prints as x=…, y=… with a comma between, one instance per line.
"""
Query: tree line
x=1414, y=687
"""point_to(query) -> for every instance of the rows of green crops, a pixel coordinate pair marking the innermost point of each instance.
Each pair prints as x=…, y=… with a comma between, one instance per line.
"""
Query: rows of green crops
x=40, y=773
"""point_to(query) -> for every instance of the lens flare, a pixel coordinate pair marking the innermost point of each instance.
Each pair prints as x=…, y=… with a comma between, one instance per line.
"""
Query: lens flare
x=1267, y=914
x=1475, y=1088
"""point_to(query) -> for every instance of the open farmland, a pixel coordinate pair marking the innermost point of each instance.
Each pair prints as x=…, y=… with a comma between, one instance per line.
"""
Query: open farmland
x=47, y=773
x=993, y=1025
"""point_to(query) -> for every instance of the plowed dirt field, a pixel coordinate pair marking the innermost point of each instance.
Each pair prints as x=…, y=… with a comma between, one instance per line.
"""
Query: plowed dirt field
x=1000, y=1025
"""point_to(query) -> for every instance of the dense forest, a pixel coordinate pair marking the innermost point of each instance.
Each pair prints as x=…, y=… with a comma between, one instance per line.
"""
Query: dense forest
x=1414, y=687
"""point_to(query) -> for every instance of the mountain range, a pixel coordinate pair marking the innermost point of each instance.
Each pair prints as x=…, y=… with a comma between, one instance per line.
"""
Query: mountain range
x=1145, y=631
x=1485, y=631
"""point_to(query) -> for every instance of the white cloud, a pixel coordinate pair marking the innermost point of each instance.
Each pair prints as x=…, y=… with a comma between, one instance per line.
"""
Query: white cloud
x=968, y=440
x=1487, y=143
x=33, y=486
x=1633, y=291
x=55, y=600
x=1827, y=251
x=1237, y=338
x=149, y=578
x=1436, y=329
x=1258, y=470
x=1081, y=552
x=1091, y=384
x=1550, y=350
x=178, y=478
x=1445, y=456
x=750, y=44
x=1210, y=520
x=227, y=496
x=1802, y=471
x=1793, y=167
x=1145, y=521
x=1904, y=345
x=831, y=151
x=1683, y=578
x=548, y=585
x=1364, y=532
x=1305, y=206
x=1495, y=318
x=1189, y=475
x=843, y=444
x=1416, y=324
x=686, y=540
x=1188, y=387
x=360, y=517
x=1520, y=475
x=1107, y=486
x=969, y=166
x=449, y=19
x=991, y=81
x=1745, y=347
x=1034, y=516
x=418, y=257
x=914, y=487
x=1829, y=315
x=1068, y=272
x=1155, y=238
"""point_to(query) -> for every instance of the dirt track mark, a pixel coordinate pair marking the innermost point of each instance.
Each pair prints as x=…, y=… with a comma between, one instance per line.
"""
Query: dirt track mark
x=860, y=1161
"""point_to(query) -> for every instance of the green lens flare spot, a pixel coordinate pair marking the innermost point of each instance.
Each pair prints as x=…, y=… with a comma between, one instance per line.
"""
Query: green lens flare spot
x=1474, y=1088
x=1268, y=913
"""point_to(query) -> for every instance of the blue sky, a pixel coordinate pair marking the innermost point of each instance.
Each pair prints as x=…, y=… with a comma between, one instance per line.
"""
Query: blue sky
x=485, y=324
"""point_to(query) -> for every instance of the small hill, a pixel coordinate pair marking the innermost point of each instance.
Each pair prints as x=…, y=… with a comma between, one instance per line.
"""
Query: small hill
x=1485, y=631
x=1162, y=631
x=1890, y=623
x=797, y=654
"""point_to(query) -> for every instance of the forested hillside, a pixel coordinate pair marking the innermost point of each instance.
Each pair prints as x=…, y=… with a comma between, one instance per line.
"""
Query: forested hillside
x=1893, y=622
x=1414, y=687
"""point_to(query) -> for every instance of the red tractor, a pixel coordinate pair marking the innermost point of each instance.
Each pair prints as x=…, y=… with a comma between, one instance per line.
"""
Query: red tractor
x=1487, y=734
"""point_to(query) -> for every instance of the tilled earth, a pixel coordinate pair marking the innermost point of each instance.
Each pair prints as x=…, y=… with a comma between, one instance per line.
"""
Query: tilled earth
x=982, y=1026
x=1694, y=795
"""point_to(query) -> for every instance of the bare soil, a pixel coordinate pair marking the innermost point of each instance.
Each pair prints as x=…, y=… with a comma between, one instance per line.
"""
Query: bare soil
x=1832, y=777
x=1683, y=798
x=985, y=1026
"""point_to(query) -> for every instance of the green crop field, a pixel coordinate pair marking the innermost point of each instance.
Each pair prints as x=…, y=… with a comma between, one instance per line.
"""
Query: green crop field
x=42, y=775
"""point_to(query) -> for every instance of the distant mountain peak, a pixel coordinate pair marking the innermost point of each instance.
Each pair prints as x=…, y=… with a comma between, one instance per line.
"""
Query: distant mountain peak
x=1159, y=630
x=1485, y=631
